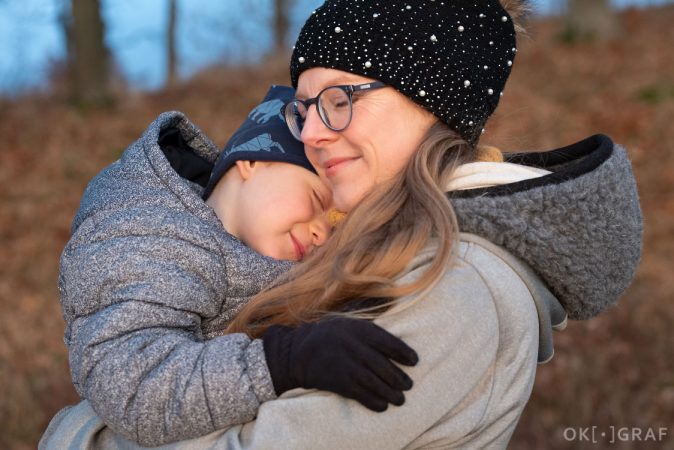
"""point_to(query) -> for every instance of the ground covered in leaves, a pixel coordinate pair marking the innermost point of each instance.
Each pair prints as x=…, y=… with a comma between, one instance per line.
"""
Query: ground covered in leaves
x=616, y=370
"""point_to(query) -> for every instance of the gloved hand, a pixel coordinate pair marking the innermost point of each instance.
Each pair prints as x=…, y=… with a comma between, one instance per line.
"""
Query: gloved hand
x=349, y=357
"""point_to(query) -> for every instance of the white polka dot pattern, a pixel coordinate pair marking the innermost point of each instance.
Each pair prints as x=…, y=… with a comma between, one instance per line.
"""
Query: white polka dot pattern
x=448, y=56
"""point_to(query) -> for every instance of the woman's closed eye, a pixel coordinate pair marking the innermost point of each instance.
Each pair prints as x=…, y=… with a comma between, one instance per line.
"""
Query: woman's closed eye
x=356, y=96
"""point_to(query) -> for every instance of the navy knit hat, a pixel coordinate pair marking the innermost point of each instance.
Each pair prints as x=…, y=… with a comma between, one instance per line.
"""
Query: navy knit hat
x=264, y=136
x=452, y=57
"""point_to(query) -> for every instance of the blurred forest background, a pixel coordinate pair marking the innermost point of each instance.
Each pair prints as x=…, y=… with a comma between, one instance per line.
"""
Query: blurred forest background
x=585, y=67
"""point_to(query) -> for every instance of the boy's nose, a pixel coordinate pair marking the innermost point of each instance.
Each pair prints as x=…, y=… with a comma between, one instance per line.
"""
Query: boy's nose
x=320, y=230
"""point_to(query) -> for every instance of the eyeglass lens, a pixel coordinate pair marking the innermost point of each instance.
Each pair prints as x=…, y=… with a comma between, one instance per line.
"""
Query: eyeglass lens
x=334, y=108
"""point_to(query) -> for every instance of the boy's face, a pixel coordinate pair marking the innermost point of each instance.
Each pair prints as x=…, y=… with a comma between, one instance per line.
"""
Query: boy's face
x=279, y=210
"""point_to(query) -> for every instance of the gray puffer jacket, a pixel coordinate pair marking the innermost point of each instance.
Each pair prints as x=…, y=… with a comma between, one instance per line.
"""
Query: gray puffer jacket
x=148, y=276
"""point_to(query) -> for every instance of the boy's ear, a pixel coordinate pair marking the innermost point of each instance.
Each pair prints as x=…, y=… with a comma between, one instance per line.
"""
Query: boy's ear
x=245, y=168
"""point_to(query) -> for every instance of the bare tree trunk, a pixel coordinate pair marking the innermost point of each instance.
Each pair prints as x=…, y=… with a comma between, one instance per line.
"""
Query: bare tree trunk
x=65, y=20
x=590, y=20
x=172, y=59
x=64, y=73
x=281, y=25
x=89, y=67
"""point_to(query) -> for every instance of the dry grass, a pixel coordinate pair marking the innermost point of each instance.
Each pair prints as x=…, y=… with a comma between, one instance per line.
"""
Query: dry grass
x=615, y=370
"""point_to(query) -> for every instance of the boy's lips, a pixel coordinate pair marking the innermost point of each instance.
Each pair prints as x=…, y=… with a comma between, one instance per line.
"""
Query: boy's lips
x=300, y=250
x=332, y=166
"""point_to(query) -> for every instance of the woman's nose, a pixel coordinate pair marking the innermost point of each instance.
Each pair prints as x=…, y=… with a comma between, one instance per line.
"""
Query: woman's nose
x=314, y=132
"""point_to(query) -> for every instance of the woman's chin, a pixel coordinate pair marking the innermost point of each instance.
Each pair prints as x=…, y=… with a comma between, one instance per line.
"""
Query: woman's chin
x=346, y=200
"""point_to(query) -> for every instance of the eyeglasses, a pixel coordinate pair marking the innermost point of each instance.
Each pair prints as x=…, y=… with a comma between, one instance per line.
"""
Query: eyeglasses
x=334, y=105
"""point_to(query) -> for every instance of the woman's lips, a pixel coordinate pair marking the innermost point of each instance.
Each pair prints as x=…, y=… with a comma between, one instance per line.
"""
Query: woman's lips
x=334, y=165
x=300, y=251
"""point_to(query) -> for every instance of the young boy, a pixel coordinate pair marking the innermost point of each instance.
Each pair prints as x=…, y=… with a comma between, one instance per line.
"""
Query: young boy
x=276, y=209
x=153, y=274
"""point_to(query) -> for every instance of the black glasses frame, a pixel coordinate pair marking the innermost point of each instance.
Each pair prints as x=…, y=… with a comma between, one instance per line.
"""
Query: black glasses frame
x=349, y=89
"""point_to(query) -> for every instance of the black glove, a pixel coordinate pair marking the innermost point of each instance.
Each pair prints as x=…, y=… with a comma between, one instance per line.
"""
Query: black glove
x=349, y=357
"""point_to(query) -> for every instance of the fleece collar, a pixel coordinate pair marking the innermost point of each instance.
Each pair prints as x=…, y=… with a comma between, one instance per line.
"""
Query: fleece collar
x=579, y=228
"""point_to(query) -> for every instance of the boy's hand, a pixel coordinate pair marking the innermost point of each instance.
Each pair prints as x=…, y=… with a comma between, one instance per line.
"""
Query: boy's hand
x=349, y=357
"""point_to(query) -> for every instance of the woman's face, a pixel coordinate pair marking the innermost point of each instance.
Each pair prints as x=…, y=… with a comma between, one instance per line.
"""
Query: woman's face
x=384, y=133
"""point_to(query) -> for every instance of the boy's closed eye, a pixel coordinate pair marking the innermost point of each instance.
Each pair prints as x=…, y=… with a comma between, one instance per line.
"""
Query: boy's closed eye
x=319, y=199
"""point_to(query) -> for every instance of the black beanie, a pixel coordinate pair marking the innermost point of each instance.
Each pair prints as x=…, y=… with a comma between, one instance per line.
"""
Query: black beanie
x=452, y=57
x=264, y=136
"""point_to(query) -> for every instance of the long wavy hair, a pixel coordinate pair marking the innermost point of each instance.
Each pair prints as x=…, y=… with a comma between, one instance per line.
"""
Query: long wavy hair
x=377, y=240
x=372, y=246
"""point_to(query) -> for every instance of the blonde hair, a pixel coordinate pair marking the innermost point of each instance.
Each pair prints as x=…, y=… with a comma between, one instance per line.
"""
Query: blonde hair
x=378, y=239
x=372, y=246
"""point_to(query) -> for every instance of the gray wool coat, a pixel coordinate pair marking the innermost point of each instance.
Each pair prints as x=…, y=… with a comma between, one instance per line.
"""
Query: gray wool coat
x=532, y=253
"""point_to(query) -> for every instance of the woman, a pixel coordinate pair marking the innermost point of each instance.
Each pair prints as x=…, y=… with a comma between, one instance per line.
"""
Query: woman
x=392, y=99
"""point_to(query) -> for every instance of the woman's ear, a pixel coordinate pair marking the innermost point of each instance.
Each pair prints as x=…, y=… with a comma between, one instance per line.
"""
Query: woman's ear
x=246, y=169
